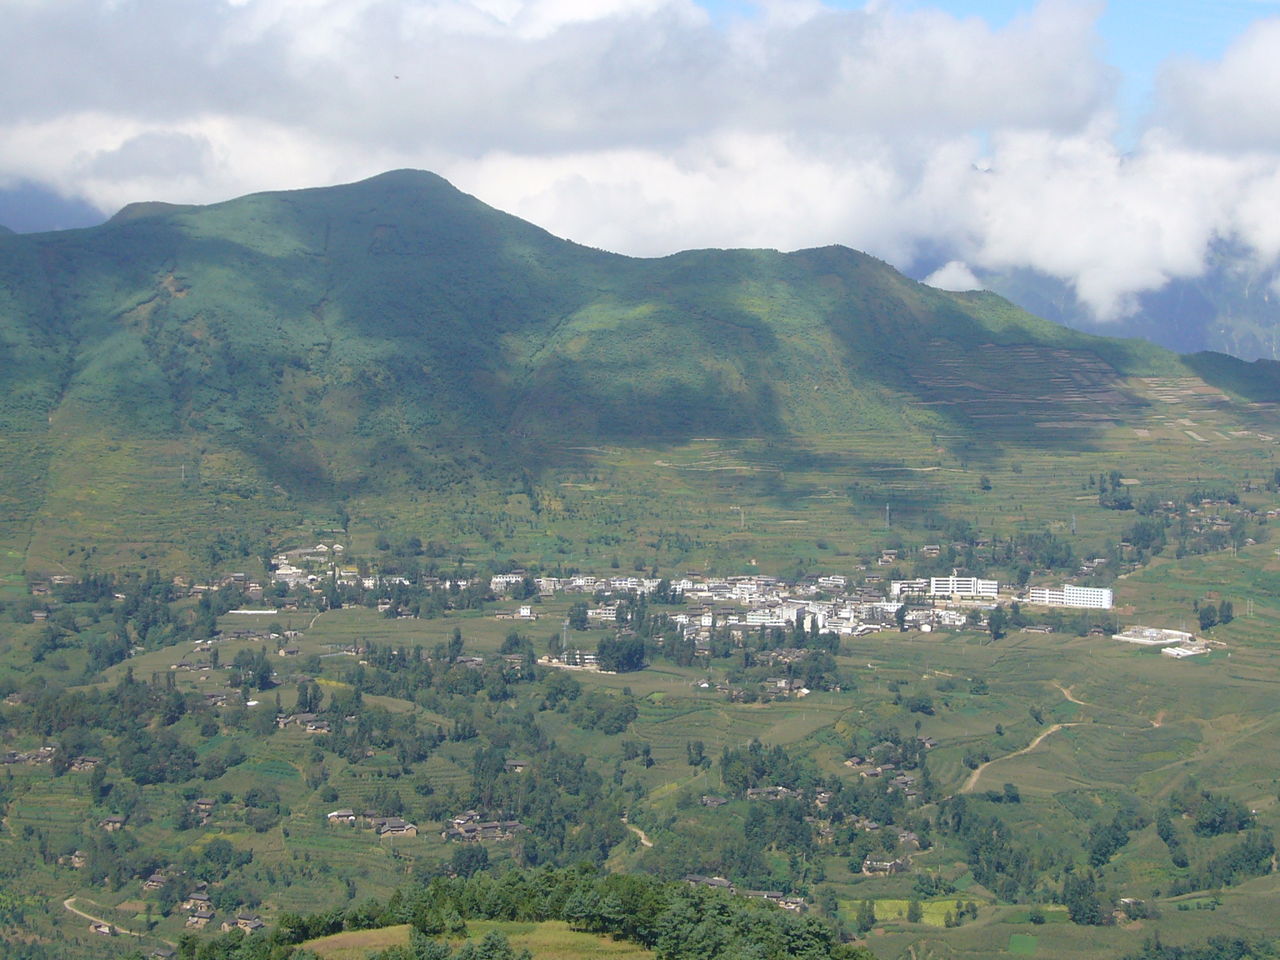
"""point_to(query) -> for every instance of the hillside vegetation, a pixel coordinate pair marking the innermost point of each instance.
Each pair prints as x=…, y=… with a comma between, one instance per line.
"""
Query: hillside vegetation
x=362, y=352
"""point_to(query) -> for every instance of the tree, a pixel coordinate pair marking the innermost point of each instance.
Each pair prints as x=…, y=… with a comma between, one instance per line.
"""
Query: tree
x=915, y=912
x=620, y=654
x=1226, y=612
x=578, y=616
x=996, y=623
x=900, y=617
x=1208, y=616
x=469, y=858
x=1079, y=893
x=866, y=918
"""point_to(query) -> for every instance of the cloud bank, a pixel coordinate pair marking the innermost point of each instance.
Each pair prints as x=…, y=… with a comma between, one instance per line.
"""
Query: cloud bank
x=644, y=126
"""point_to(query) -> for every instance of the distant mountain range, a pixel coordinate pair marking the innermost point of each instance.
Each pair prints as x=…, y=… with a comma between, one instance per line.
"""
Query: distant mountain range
x=396, y=336
x=1234, y=307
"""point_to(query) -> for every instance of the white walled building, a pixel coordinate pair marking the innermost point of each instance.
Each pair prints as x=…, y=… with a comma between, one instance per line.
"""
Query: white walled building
x=966, y=588
x=1069, y=595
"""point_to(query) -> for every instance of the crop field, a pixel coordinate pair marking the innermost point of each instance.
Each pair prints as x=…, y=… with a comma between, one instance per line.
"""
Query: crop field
x=552, y=940
x=1081, y=726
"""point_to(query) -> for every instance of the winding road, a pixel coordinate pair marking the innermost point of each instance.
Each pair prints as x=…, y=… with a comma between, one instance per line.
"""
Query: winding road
x=972, y=781
x=69, y=903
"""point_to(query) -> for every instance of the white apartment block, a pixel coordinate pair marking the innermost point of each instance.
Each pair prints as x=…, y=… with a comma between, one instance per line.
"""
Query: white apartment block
x=1069, y=595
x=967, y=588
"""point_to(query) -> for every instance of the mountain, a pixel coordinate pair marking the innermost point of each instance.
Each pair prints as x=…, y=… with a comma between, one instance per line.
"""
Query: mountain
x=1233, y=307
x=180, y=382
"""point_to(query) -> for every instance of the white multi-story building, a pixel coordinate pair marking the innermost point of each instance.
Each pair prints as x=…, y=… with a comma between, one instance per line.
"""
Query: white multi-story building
x=1069, y=595
x=966, y=588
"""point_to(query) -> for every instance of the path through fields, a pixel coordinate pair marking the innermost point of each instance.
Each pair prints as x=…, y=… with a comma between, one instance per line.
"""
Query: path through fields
x=1066, y=692
x=69, y=904
x=972, y=781
x=644, y=837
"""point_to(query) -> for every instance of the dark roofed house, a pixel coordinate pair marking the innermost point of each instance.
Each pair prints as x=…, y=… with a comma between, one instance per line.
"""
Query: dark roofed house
x=771, y=793
x=716, y=883
x=155, y=881
x=396, y=827
x=111, y=823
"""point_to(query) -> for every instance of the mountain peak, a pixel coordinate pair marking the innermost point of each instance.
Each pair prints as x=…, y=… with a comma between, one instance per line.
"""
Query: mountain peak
x=148, y=208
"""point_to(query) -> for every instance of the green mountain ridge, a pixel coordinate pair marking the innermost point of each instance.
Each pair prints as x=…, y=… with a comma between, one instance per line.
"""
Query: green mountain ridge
x=395, y=338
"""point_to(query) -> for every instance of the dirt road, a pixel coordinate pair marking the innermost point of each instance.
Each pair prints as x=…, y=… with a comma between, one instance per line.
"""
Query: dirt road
x=972, y=781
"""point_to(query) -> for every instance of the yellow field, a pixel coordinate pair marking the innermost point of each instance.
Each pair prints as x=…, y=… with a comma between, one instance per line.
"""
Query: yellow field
x=552, y=940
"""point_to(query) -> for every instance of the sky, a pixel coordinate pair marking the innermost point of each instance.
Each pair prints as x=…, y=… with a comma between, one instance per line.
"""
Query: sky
x=1107, y=144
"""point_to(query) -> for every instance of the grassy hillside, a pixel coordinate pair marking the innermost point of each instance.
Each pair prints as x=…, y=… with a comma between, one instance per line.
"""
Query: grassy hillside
x=382, y=352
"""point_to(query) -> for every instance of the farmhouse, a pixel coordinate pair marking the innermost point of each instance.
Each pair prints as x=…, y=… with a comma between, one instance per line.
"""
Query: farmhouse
x=884, y=866
x=396, y=827
x=777, y=897
x=771, y=793
x=155, y=881
x=473, y=831
x=716, y=883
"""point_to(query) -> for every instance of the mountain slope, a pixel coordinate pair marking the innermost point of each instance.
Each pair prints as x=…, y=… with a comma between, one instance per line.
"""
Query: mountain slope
x=289, y=351
x=1232, y=307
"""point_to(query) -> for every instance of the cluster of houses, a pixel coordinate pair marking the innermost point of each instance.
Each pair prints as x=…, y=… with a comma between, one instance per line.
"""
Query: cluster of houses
x=746, y=604
x=39, y=755
x=794, y=904
x=898, y=780
x=470, y=828
x=305, y=721
x=199, y=909
x=381, y=826
x=310, y=566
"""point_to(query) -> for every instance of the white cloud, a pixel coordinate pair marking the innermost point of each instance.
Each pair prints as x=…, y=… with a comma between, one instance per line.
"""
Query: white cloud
x=641, y=126
x=953, y=275
x=1231, y=104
